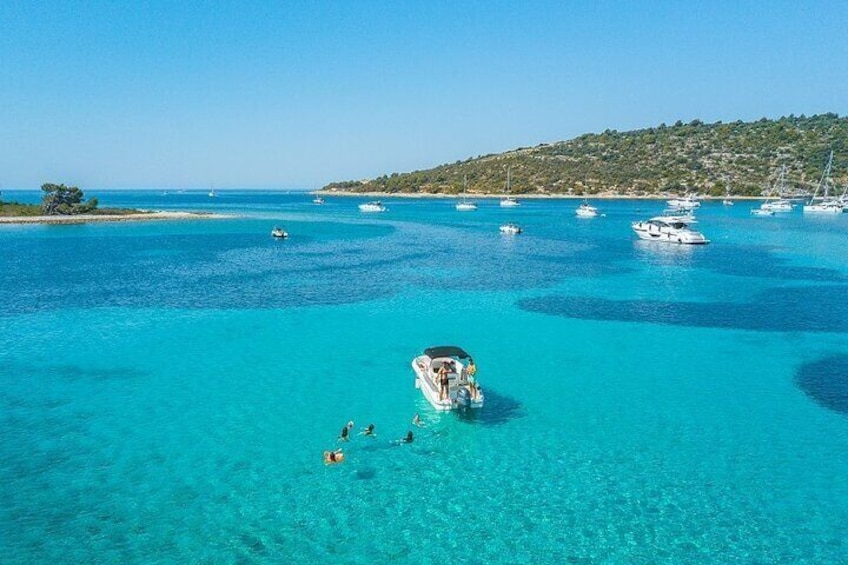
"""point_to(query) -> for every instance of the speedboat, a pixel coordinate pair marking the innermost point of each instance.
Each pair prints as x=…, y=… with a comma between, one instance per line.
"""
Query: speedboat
x=727, y=202
x=670, y=230
x=510, y=229
x=317, y=200
x=586, y=210
x=279, y=233
x=456, y=367
x=375, y=206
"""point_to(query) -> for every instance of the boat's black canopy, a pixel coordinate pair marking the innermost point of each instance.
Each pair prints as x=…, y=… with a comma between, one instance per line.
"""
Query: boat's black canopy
x=446, y=351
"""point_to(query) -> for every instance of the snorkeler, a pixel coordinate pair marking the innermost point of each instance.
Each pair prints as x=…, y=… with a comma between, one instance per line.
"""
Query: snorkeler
x=409, y=437
x=369, y=431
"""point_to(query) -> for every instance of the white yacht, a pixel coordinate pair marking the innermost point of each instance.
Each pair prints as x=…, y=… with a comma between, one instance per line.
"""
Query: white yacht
x=446, y=376
x=212, y=194
x=317, y=200
x=669, y=229
x=508, y=201
x=375, y=206
x=510, y=229
x=279, y=233
x=586, y=210
x=685, y=203
x=824, y=204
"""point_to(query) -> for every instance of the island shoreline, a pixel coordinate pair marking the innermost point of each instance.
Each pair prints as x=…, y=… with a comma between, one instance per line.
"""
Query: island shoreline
x=495, y=196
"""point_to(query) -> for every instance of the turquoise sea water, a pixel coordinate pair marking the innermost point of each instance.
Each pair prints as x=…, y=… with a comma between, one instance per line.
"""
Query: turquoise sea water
x=167, y=388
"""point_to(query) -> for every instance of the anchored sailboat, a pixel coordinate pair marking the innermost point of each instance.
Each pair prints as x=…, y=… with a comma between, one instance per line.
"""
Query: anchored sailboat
x=465, y=205
x=824, y=204
x=508, y=201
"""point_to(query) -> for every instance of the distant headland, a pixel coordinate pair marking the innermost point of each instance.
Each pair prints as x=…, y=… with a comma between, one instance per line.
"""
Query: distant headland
x=737, y=159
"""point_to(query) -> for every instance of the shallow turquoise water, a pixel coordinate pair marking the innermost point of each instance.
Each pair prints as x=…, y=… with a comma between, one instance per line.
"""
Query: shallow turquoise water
x=167, y=388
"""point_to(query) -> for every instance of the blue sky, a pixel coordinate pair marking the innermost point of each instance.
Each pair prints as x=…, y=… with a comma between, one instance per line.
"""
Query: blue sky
x=298, y=94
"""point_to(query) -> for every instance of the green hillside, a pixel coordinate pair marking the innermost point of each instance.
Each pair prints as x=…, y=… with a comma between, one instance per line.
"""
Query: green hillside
x=694, y=157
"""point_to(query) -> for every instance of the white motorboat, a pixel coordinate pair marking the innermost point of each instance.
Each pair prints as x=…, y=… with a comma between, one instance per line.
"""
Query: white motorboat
x=370, y=207
x=670, y=230
x=279, y=233
x=586, y=210
x=212, y=194
x=446, y=376
x=761, y=212
x=508, y=201
x=510, y=229
x=317, y=200
x=685, y=203
x=727, y=202
x=824, y=204
x=465, y=205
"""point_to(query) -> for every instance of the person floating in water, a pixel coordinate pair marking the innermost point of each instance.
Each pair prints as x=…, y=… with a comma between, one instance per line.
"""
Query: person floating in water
x=343, y=435
x=369, y=431
x=336, y=456
x=409, y=437
x=416, y=420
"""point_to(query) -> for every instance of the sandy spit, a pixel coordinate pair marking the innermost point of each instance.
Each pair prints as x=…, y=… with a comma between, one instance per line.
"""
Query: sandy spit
x=87, y=218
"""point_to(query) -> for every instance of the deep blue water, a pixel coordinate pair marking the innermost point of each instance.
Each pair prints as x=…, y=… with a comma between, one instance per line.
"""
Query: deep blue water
x=167, y=388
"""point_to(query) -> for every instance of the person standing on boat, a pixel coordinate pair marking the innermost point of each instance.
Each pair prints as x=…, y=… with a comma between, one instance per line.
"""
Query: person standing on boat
x=443, y=381
x=471, y=371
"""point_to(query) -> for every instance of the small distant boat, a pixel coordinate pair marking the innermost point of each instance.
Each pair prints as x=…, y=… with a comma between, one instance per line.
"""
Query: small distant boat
x=465, y=205
x=508, y=201
x=825, y=204
x=727, y=201
x=279, y=233
x=586, y=210
x=317, y=200
x=761, y=212
x=212, y=194
x=449, y=362
x=510, y=229
x=669, y=230
x=371, y=207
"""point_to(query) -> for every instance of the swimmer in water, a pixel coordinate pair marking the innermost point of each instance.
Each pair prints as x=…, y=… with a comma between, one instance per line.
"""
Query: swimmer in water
x=409, y=437
x=416, y=420
x=369, y=431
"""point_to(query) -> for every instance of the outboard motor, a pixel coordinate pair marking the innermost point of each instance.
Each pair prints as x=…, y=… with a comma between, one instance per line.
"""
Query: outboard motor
x=463, y=397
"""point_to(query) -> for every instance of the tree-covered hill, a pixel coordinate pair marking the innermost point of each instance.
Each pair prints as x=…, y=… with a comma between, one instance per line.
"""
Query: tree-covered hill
x=694, y=157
